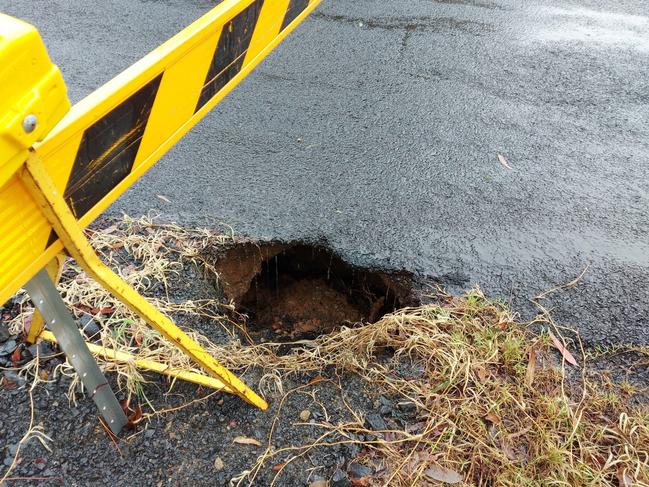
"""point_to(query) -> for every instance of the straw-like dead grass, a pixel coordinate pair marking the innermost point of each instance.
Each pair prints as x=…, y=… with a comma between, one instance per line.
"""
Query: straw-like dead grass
x=493, y=405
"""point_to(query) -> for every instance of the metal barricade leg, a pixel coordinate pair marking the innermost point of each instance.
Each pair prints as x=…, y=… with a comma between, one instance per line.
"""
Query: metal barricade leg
x=37, y=325
x=48, y=301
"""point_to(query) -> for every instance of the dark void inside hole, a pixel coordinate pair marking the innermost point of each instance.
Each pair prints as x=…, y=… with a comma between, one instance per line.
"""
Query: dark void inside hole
x=300, y=291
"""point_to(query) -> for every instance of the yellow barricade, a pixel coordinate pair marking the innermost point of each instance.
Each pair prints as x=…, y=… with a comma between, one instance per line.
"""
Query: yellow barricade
x=56, y=178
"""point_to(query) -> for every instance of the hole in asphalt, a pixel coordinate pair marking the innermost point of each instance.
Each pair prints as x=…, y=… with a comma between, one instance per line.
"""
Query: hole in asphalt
x=297, y=290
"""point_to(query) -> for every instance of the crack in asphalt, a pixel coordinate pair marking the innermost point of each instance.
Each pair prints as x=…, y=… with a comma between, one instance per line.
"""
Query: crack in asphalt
x=409, y=24
x=471, y=3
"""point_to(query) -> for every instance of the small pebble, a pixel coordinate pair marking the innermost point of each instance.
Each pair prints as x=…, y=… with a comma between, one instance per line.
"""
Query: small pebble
x=305, y=415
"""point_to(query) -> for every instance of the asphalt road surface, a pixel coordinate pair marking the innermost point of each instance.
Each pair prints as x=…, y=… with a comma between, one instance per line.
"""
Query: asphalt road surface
x=376, y=126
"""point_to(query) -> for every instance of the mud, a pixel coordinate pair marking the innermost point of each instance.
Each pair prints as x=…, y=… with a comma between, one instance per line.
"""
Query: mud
x=299, y=290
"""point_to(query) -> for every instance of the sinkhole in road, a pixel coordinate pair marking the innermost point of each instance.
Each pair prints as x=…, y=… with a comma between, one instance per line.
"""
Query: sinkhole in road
x=297, y=290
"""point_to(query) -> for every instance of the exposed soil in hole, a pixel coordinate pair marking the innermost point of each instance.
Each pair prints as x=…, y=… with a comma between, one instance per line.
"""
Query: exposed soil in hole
x=300, y=290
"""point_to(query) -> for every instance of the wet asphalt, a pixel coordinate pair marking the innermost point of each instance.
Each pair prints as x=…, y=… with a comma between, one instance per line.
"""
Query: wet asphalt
x=376, y=127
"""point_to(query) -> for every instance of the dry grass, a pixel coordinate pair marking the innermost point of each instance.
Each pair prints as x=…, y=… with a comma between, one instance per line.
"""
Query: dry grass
x=492, y=403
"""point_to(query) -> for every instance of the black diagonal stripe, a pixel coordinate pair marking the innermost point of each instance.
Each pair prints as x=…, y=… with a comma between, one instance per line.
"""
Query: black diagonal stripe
x=52, y=238
x=107, y=151
x=230, y=51
x=295, y=8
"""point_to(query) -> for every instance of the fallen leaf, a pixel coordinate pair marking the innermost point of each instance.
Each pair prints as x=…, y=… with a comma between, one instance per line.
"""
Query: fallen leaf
x=503, y=160
x=319, y=483
x=361, y=482
x=244, y=440
x=43, y=374
x=531, y=367
x=481, y=372
x=278, y=467
x=493, y=418
x=414, y=462
x=415, y=427
x=163, y=198
x=568, y=357
x=7, y=383
x=94, y=311
x=15, y=357
x=218, y=464
x=442, y=474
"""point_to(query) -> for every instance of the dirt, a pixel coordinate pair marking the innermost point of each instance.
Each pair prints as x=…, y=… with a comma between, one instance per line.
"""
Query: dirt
x=238, y=265
x=304, y=306
x=297, y=289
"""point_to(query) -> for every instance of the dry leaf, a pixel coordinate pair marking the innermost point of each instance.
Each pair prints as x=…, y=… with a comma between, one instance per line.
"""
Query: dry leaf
x=493, y=418
x=15, y=357
x=417, y=459
x=481, y=372
x=531, y=367
x=319, y=483
x=94, y=311
x=503, y=160
x=415, y=427
x=164, y=198
x=361, y=482
x=218, y=464
x=564, y=351
x=442, y=474
x=278, y=467
x=244, y=440
x=7, y=384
